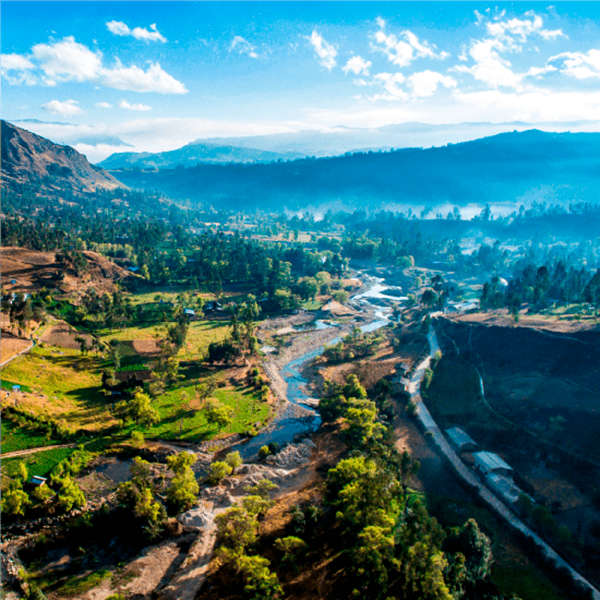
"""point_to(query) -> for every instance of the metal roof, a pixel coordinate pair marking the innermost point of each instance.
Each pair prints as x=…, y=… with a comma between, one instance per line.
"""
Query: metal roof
x=491, y=461
x=459, y=437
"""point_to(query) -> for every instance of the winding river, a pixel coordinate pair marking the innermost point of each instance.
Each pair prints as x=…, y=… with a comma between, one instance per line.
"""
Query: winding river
x=299, y=416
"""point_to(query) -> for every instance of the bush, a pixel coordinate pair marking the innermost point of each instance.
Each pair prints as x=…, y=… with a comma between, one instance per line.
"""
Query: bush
x=264, y=452
x=218, y=471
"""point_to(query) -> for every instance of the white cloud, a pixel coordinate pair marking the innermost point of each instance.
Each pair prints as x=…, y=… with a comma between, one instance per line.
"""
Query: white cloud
x=358, y=66
x=242, y=46
x=490, y=67
x=581, y=65
x=139, y=33
x=66, y=108
x=326, y=52
x=391, y=84
x=506, y=35
x=425, y=83
x=125, y=104
x=16, y=69
x=67, y=60
x=134, y=79
x=103, y=105
x=404, y=50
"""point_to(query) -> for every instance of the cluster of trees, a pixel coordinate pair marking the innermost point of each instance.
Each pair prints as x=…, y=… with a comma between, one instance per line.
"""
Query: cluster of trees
x=60, y=493
x=542, y=286
x=142, y=497
x=356, y=344
x=395, y=548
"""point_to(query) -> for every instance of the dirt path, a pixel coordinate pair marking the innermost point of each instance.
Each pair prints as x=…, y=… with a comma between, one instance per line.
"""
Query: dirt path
x=35, y=450
x=467, y=474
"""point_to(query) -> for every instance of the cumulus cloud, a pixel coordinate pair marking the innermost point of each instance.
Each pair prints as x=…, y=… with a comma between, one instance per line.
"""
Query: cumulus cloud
x=425, y=83
x=326, y=52
x=16, y=69
x=68, y=60
x=242, y=46
x=358, y=66
x=134, y=79
x=391, y=83
x=505, y=36
x=580, y=65
x=403, y=50
x=125, y=104
x=139, y=33
x=66, y=108
x=103, y=105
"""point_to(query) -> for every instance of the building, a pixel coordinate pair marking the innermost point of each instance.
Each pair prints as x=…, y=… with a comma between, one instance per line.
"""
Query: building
x=488, y=462
x=37, y=480
x=461, y=441
x=504, y=487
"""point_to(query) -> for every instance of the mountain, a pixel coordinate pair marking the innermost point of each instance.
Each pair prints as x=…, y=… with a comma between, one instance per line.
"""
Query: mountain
x=506, y=168
x=192, y=154
x=32, y=160
x=339, y=140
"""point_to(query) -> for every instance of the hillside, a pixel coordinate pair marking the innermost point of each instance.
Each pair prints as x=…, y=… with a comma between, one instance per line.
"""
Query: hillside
x=531, y=165
x=30, y=159
x=192, y=154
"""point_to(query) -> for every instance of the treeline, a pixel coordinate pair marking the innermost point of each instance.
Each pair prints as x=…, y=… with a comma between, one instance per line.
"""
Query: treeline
x=542, y=286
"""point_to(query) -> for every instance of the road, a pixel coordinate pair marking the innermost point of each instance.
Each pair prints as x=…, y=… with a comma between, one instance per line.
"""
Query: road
x=35, y=450
x=469, y=476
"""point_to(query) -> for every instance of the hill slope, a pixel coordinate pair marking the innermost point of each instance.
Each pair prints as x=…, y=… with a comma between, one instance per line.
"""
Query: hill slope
x=192, y=154
x=531, y=165
x=32, y=160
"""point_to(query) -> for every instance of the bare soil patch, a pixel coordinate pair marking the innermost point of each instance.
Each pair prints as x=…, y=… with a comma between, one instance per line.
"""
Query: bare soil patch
x=64, y=336
x=11, y=345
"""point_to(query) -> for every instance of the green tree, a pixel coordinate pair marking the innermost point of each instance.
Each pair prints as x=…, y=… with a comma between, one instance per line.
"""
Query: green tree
x=218, y=471
x=14, y=500
x=234, y=460
x=217, y=413
x=70, y=495
x=183, y=491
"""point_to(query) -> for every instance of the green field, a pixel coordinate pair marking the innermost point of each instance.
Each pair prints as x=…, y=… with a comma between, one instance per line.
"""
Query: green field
x=20, y=438
x=8, y=385
x=40, y=463
x=68, y=386
x=179, y=406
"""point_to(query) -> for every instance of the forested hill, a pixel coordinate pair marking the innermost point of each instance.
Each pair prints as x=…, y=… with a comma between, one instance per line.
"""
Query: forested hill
x=32, y=162
x=192, y=154
x=531, y=165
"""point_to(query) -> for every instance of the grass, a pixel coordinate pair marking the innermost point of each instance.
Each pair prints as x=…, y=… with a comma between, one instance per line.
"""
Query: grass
x=40, y=463
x=8, y=385
x=180, y=404
x=454, y=392
x=68, y=386
x=200, y=335
x=74, y=585
x=19, y=438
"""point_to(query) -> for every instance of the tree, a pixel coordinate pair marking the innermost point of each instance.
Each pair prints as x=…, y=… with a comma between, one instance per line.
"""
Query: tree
x=218, y=471
x=70, y=495
x=141, y=409
x=184, y=488
x=218, y=414
x=43, y=493
x=14, y=500
x=234, y=460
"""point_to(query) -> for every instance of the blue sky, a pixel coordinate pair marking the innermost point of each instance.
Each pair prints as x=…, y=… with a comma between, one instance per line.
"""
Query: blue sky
x=160, y=74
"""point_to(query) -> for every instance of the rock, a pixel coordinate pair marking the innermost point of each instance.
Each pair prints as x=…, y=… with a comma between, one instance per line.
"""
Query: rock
x=197, y=518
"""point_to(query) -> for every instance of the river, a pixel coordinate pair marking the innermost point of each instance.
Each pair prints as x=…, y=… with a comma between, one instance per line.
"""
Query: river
x=299, y=417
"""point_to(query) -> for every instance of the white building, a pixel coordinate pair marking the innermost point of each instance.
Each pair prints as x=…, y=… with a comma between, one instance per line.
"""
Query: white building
x=488, y=462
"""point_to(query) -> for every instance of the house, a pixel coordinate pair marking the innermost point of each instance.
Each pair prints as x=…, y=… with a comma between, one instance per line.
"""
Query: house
x=16, y=388
x=504, y=487
x=461, y=441
x=37, y=480
x=488, y=462
x=189, y=312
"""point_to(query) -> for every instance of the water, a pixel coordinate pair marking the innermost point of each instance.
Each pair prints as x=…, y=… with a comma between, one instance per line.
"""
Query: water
x=298, y=418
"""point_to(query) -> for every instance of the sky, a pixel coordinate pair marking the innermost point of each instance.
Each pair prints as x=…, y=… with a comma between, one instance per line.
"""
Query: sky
x=156, y=75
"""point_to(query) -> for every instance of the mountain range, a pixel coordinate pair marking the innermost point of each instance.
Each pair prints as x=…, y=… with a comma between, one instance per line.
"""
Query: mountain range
x=507, y=168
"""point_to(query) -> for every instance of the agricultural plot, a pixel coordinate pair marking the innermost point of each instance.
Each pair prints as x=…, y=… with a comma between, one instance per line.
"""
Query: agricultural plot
x=40, y=463
x=64, y=385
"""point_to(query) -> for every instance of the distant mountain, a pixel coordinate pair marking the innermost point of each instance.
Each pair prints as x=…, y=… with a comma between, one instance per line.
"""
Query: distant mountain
x=506, y=168
x=30, y=159
x=339, y=140
x=192, y=154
